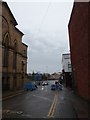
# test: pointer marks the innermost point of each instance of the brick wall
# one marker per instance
(89, 52)
(78, 38)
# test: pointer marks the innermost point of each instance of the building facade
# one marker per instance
(66, 68)
(79, 44)
(66, 62)
(14, 52)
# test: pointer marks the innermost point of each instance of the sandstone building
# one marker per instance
(14, 52)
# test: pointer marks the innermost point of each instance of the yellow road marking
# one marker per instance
(53, 111)
(11, 96)
(50, 111)
(53, 106)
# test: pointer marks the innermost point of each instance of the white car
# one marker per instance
(45, 83)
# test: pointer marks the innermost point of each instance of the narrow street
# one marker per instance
(41, 103)
(44, 43)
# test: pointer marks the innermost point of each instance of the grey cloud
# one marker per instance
(45, 32)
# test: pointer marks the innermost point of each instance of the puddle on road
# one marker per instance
(12, 112)
(19, 112)
(44, 88)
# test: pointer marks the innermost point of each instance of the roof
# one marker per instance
(24, 44)
(6, 5)
(19, 31)
(66, 54)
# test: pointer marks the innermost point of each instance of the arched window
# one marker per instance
(15, 55)
(5, 50)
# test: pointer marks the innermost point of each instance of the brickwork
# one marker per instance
(89, 50)
(78, 37)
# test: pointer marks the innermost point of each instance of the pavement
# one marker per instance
(80, 106)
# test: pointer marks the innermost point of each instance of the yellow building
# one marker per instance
(14, 52)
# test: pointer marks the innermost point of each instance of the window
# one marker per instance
(15, 55)
(5, 50)
(69, 65)
(24, 52)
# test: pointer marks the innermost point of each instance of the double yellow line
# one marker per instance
(53, 106)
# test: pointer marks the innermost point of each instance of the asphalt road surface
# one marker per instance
(41, 103)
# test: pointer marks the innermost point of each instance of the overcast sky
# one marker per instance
(45, 28)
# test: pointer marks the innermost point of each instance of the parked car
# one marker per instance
(53, 87)
(30, 86)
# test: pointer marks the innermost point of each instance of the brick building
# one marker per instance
(78, 38)
(14, 52)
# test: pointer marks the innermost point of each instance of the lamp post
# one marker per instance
(47, 72)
